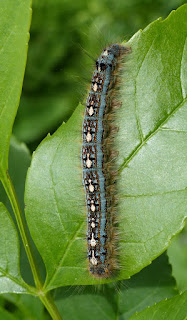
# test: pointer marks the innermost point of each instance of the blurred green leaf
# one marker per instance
(41, 113)
(177, 253)
(5, 315)
(152, 160)
(118, 300)
(10, 278)
(56, 67)
(172, 309)
(25, 307)
(14, 27)
(18, 163)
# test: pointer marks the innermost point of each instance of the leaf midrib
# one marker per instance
(139, 127)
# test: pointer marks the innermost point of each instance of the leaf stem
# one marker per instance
(44, 297)
(50, 306)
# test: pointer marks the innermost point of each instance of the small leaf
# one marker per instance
(152, 160)
(10, 278)
(14, 27)
(177, 253)
(172, 309)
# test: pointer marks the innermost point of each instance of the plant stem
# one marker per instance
(50, 306)
(7, 183)
(44, 297)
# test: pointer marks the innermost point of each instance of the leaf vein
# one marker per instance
(65, 253)
(136, 103)
(155, 131)
(12, 278)
(181, 82)
(152, 194)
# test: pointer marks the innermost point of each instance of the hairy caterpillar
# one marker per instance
(98, 162)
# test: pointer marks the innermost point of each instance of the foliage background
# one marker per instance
(58, 70)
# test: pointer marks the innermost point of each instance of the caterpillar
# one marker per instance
(98, 161)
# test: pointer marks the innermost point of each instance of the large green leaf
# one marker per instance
(119, 300)
(172, 309)
(14, 36)
(151, 143)
(10, 278)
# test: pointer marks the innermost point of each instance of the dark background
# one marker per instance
(63, 34)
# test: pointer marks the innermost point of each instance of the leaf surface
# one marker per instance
(174, 308)
(152, 141)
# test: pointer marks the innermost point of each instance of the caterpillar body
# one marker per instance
(98, 163)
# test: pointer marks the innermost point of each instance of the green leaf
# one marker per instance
(172, 309)
(119, 300)
(151, 143)
(14, 26)
(177, 253)
(57, 217)
(25, 307)
(151, 285)
(5, 315)
(10, 278)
